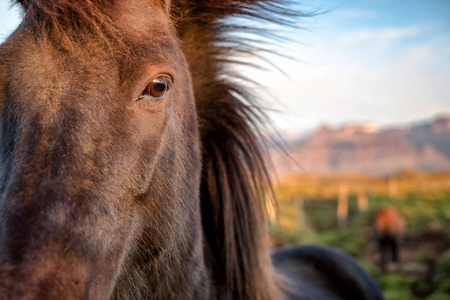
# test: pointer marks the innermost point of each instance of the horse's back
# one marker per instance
(323, 273)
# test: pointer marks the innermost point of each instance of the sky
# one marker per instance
(380, 61)
(376, 61)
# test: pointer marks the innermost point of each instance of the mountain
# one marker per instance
(366, 148)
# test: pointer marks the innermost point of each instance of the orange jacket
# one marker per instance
(388, 221)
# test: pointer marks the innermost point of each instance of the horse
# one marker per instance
(131, 159)
(389, 227)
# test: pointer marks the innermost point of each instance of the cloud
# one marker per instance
(379, 37)
(344, 83)
(9, 19)
(355, 13)
(446, 50)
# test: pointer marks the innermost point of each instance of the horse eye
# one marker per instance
(157, 89)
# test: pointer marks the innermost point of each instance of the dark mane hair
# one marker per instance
(235, 180)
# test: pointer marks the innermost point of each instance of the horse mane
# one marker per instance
(235, 180)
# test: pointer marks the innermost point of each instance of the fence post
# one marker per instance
(299, 212)
(342, 209)
(363, 202)
(393, 187)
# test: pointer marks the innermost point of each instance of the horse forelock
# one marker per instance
(67, 22)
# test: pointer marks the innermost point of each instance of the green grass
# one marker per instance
(396, 287)
(422, 210)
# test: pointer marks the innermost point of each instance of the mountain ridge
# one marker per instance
(367, 148)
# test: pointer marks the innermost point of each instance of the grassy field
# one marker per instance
(307, 207)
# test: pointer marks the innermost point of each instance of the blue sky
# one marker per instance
(380, 61)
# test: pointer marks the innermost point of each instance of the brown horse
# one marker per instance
(131, 160)
(389, 227)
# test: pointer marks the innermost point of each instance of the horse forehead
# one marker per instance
(42, 63)
(150, 39)
(118, 22)
(140, 13)
(142, 19)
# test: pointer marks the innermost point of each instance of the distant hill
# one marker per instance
(366, 148)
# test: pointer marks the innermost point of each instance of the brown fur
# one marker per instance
(68, 21)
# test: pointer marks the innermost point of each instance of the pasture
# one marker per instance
(307, 213)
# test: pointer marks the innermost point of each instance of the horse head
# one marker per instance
(100, 153)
